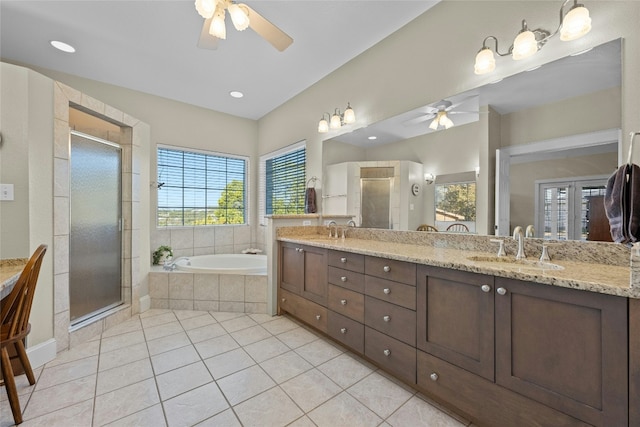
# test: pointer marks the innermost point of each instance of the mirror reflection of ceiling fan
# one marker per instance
(242, 16)
(439, 112)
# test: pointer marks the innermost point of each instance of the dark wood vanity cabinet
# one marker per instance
(303, 271)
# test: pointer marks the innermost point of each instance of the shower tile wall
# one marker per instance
(190, 241)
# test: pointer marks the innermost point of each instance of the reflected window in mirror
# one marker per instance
(455, 203)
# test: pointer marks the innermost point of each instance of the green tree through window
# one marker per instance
(456, 202)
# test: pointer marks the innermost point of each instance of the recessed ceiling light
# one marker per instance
(372, 137)
(63, 46)
(236, 94)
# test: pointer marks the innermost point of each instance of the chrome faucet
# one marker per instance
(171, 264)
(351, 223)
(518, 235)
(530, 231)
(332, 224)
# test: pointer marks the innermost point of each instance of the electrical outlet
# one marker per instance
(6, 192)
(306, 222)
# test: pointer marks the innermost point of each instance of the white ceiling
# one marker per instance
(150, 46)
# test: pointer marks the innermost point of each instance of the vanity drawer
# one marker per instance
(305, 310)
(347, 303)
(394, 292)
(347, 331)
(398, 271)
(391, 319)
(392, 355)
(346, 279)
(347, 260)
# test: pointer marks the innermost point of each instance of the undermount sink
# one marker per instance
(517, 263)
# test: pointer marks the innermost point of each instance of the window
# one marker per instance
(198, 188)
(456, 202)
(282, 181)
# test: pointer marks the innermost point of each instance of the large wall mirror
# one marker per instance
(574, 103)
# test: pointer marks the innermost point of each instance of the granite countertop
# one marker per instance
(602, 278)
(10, 270)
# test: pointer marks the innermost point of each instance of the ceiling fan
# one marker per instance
(242, 16)
(439, 112)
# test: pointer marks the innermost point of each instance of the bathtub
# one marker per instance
(243, 264)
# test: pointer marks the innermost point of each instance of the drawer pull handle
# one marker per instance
(317, 317)
(386, 268)
(386, 291)
(343, 278)
(343, 301)
(343, 260)
(501, 291)
(485, 288)
(387, 318)
(433, 376)
(343, 330)
(387, 352)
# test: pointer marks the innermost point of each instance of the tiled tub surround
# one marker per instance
(178, 290)
(591, 266)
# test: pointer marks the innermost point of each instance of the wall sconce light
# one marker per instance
(477, 171)
(573, 25)
(337, 119)
(429, 178)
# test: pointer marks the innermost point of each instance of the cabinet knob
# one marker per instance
(387, 352)
(501, 291)
(386, 291)
(343, 278)
(485, 288)
(343, 330)
(343, 260)
(284, 299)
(386, 268)
(343, 301)
(317, 317)
(386, 318)
(433, 376)
(301, 250)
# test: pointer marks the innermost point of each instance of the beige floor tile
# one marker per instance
(344, 410)
(280, 325)
(238, 323)
(82, 351)
(263, 318)
(223, 419)
(150, 417)
(198, 321)
(245, 384)
(188, 314)
(227, 363)
(22, 385)
(215, 346)
(131, 325)
(222, 316)
(67, 372)
(286, 366)
(379, 394)
(310, 389)
(266, 349)
(170, 328)
(169, 360)
(297, 337)
(271, 408)
(121, 341)
(161, 319)
(206, 332)
(154, 312)
(344, 370)
(6, 416)
(318, 352)
(418, 412)
(59, 397)
(250, 335)
(123, 356)
(123, 376)
(78, 415)
(125, 401)
(168, 343)
(194, 406)
(183, 379)
(302, 422)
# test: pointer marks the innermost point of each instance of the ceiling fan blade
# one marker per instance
(419, 119)
(206, 40)
(452, 106)
(274, 35)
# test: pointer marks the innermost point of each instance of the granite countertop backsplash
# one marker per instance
(591, 266)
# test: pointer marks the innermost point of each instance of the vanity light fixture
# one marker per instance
(429, 178)
(337, 119)
(573, 25)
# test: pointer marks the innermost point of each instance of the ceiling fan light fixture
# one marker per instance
(206, 8)
(446, 121)
(217, 28)
(435, 123)
(349, 115)
(576, 23)
(239, 16)
(485, 61)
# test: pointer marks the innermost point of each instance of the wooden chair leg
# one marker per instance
(10, 385)
(24, 359)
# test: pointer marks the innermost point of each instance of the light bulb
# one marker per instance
(217, 28)
(323, 126)
(446, 121)
(349, 115)
(524, 45)
(576, 23)
(435, 122)
(206, 8)
(239, 16)
(335, 121)
(485, 61)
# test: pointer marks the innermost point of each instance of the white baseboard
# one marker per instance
(42, 353)
(145, 303)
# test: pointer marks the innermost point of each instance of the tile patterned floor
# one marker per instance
(184, 368)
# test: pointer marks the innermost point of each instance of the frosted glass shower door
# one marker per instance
(95, 241)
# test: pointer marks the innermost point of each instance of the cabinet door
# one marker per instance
(455, 312)
(291, 267)
(314, 286)
(564, 348)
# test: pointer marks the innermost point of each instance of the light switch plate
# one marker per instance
(6, 192)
